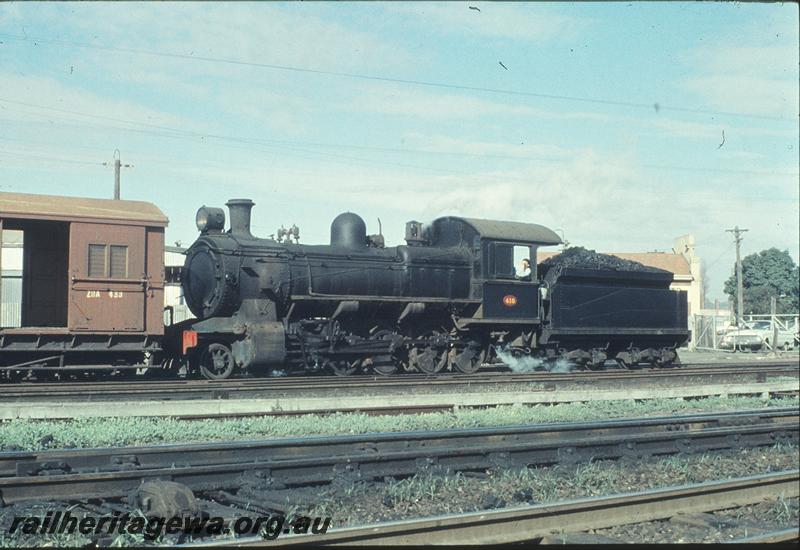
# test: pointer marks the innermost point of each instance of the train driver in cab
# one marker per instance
(525, 272)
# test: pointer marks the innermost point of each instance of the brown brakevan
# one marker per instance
(92, 280)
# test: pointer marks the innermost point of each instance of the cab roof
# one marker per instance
(507, 231)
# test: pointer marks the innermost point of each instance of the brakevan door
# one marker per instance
(107, 277)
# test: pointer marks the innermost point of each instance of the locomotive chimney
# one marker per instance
(240, 217)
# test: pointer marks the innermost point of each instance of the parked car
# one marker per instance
(725, 325)
(755, 335)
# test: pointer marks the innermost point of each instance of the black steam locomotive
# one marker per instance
(450, 298)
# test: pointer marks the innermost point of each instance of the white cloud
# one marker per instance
(528, 22)
(287, 34)
(744, 93)
(40, 90)
(748, 77)
(406, 101)
(460, 146)
(711, 131)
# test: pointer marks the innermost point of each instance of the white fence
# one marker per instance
(708, 330)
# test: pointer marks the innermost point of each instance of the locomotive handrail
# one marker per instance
(373, 298)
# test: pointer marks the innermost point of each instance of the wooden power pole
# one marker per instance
(117, 166)
(739, 286)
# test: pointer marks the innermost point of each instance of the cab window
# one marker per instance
(507, 261)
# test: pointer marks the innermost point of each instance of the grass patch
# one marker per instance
(32, 435)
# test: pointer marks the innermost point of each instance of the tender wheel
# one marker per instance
(216, 362)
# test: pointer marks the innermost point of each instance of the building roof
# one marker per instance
(512, 231)
(51, 207)
(674, 263)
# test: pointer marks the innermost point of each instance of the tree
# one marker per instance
(768, 273)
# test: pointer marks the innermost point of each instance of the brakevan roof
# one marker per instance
(51, 207)
(513, 231)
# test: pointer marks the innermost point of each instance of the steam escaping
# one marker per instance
(528, 363)
(521, 365)
(278, 372)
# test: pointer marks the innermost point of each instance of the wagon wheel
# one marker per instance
(216, 362)
(383, 364)
(344, 367)
(427, 359)
(470, 359)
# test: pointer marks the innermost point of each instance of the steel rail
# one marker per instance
(489, 370)
(406, 397)
(227, 389)
(110, 472)
(529, 523)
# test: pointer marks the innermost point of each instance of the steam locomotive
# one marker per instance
(450, 298)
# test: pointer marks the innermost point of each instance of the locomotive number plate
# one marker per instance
(509, 300)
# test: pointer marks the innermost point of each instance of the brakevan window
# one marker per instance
(108, 261)
(118, 262)
(97, 260)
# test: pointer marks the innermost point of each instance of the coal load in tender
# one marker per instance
(577, 256)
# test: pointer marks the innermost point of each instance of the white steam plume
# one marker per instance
(529, 363)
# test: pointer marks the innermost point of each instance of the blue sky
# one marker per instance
(205, 101)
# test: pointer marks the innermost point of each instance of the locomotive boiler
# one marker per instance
(449, 298)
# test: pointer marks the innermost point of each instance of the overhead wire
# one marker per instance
(50, 159)
(655, 106)
(297, 147)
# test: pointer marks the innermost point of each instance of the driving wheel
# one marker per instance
(383, 364)
(216, 362)
(343, 367)
(468, 360)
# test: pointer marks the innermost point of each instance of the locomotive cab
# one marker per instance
(508, 296)
(508, 292)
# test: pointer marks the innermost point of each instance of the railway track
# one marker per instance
(259, 387)
(279, 465)
(532, 523)
(197, 399)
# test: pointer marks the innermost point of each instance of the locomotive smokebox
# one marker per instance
(240, 217)
(348, 230)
